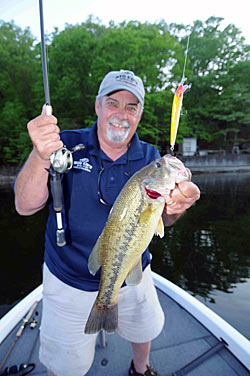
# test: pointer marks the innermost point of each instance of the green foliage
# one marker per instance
(17, 74)
(216, 109)
(73, 88)
(215, 57)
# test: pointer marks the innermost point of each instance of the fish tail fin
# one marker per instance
(102, 317)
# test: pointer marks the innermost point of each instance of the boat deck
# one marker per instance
(182, 339)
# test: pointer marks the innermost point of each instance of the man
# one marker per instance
(113, 153)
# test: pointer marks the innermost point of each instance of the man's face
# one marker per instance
(118, 117)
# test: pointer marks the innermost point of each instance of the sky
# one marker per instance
(59, 12)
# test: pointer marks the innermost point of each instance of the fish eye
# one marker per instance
(158, 163)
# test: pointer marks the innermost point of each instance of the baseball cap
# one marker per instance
(122, 80)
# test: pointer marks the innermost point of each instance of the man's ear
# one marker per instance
(97, 107)
(140, 115)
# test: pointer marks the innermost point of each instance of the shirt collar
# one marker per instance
(135, 150)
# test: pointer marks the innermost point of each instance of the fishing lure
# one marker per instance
(177, 105)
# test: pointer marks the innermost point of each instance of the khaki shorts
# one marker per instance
(65, 349)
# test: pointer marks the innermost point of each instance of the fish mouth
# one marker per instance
(152, 194)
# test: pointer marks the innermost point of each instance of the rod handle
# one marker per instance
(56, 191)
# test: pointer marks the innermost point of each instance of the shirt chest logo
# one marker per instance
(83, 164)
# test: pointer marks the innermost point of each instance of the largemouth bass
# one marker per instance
(133, 220)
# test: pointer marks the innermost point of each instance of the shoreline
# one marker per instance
(6, 179)
(217, 169)
(5, 185)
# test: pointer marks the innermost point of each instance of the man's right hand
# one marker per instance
(44, 134)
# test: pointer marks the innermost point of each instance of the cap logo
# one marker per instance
(127, 78)
(122, 80)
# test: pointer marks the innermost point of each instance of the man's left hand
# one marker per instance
(181, 197)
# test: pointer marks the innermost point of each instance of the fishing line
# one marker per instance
(185, 62)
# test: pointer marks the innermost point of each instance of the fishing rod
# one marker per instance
(177, 103)
(19, 332)
(61, 160)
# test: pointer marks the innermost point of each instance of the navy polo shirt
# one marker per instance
(83, 215)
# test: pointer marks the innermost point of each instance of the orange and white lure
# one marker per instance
(177, 104)
(176, 111)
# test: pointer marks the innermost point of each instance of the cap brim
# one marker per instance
(122, 87)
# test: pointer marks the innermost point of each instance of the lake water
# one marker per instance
(206, 252)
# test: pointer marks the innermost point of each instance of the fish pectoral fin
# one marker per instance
(160, 228)
(94, 262)
(134, 277)
(146, 214)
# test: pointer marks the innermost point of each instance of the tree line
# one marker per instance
(216, 109)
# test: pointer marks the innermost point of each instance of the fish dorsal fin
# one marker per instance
(160, 228)
(134, 277)
(94, 262)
